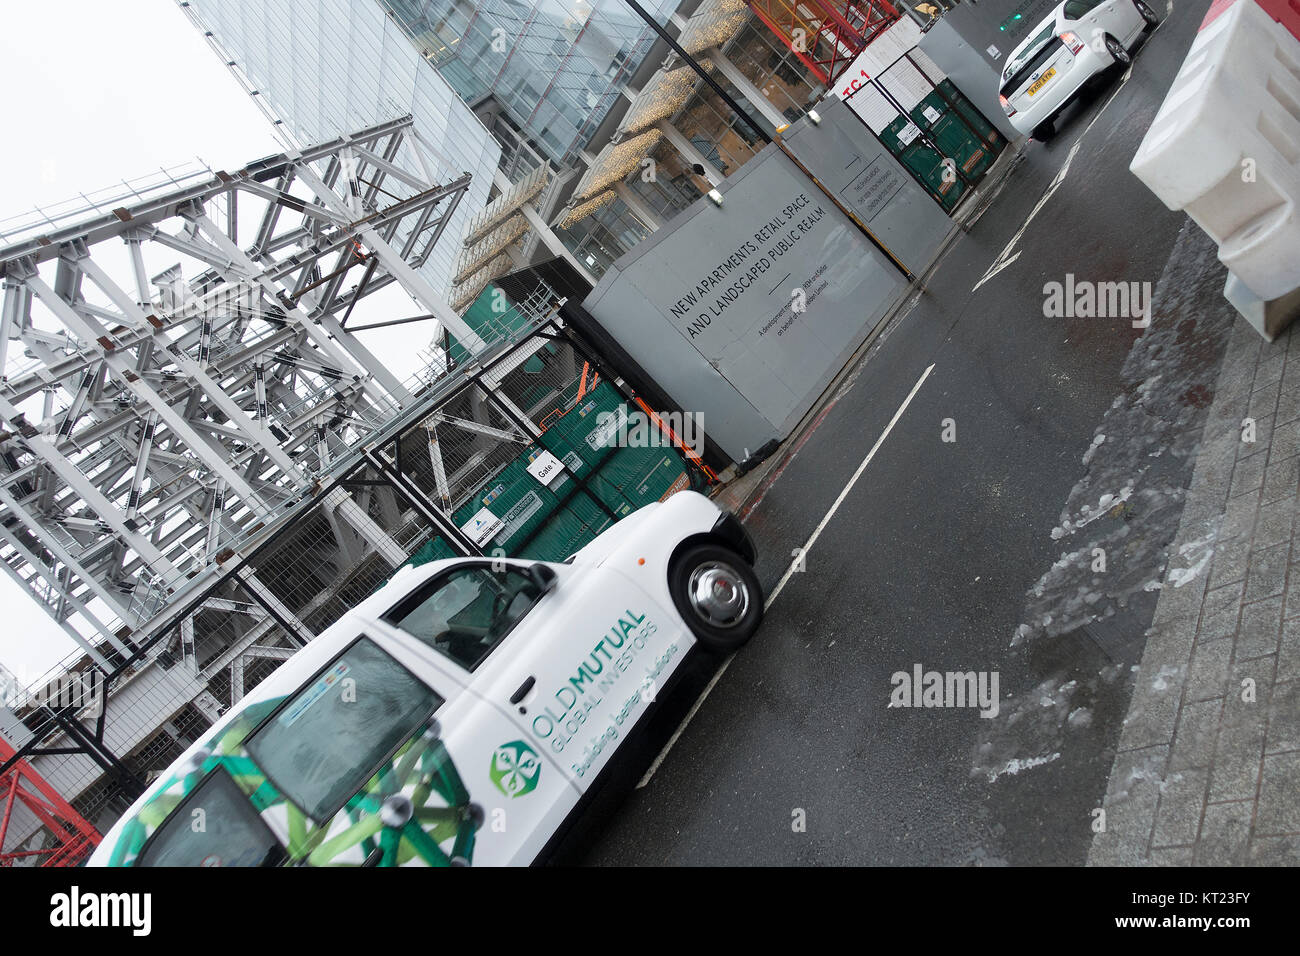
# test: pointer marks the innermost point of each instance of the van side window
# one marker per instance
(1077, 8)
(467, 612)
(339, 730)
(235, 834)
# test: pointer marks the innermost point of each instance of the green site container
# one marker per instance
(551, 522)
(958, 130)
(974, 118)
(492, 324)
(923, 161)
(953, 137)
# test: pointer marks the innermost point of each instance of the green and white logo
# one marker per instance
(515, 768)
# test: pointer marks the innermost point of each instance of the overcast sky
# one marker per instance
(101, 90)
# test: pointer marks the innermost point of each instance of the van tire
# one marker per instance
(724, 619)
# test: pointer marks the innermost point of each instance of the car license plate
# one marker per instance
(1039, 83)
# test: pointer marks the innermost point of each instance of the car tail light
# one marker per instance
(1006, 106)
(1071, 39)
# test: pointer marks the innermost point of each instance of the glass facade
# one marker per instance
(326, 67)
(773, 69)
(556, 66)
(723, 138)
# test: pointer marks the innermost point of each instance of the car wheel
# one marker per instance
(1117, 51)
(1044, 131)
(1147, 14)
(718, 595)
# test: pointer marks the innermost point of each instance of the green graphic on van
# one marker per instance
(414, 810)
(515, 768)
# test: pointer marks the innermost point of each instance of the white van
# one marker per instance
(458, 715)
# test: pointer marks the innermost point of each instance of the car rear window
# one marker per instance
(1022, 64)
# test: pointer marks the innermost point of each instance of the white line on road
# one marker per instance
(780, 585)
(1002, 261)
(994, 270)
(847, 488)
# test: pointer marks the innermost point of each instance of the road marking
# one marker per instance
(994, 270)
(847, 488)
(1003, 260)
(780, 585)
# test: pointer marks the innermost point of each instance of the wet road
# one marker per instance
(943, 552)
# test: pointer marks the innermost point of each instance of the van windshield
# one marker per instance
(330, 738)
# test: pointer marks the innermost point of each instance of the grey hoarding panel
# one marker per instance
(843, 153)
(706, 305)
(972, 69)
(1000, 24)
(625, 312)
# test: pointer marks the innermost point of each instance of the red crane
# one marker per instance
(74, 837)
(825, 35)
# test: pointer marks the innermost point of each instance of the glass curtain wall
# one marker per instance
(555, 65)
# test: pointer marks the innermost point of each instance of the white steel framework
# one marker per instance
(171, 384)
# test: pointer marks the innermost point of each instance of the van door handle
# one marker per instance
(523, 690)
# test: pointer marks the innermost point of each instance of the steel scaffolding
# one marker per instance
(150, 422)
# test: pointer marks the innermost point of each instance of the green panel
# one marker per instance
(434, 550)
(490, 320)
(550, 523)
(973, 116)
(973, 144)
(924, 162)
(638, 476)
(576, 432)
(571, 527)
(515, 497)
(952, 136)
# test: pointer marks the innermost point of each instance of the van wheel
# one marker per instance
(718, 595)
(1044, 131)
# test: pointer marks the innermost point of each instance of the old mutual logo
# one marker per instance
(515, 768)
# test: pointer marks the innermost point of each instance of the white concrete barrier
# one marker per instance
(1225, 146)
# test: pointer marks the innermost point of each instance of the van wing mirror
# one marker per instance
(543, 576)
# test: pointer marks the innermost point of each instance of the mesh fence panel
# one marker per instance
(460, 447)
(326, 562)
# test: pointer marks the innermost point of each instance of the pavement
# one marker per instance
(1208, 764)
(995, 489)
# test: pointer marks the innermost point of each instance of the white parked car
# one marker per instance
(461, 713)
(1079, 40)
